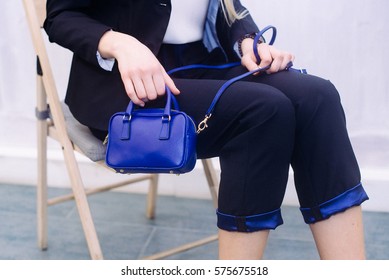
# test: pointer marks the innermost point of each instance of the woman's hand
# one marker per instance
(143, 76)
(277, 59)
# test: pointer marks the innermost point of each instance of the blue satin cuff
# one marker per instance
(269, 220)
(342, 202)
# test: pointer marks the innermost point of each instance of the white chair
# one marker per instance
(55, 120)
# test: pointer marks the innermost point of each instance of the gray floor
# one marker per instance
(125, 233)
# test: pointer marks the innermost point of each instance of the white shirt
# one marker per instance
(186, 22)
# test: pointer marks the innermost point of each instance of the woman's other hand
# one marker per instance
(277, 59)
(144, 78)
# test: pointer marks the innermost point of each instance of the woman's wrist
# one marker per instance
(113, 43)
(246, 43)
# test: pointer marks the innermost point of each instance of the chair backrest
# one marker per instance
(40, 8)
(35, 12)
(47, 94)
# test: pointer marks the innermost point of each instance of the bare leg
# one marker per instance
(241, 245)
(341, 236)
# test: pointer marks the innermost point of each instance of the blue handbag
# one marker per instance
(158, 140)
(164, 140)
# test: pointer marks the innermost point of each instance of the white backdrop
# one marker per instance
(343, 41)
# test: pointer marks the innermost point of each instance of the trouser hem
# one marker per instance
(342, 202)
(269, 220)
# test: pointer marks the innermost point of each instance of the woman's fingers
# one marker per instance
(281, 60)
(143, 76)
(130, 90)
(265, 54)
(271, 57)
(170, 84)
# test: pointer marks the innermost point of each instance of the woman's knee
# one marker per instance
(308, 93)
(321, 96)
(265, 103)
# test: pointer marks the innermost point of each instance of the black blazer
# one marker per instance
(93, 93)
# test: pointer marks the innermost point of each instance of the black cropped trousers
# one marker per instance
(260, 127)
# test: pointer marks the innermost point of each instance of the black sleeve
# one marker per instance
(236, 31)
(71, 24)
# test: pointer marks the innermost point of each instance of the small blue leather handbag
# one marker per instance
(160, 140)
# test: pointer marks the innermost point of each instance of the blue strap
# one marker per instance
(203, 124)
(259, 36)
(204, 66)
(230, 82)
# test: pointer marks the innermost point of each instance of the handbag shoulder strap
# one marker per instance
(203, 124)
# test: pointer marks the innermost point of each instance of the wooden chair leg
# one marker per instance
(42, 169)
(182, 248)
(152, 196)
(212, 179)
(82, 204)
(42, 193)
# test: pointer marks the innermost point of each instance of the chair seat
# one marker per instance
(82, 137)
